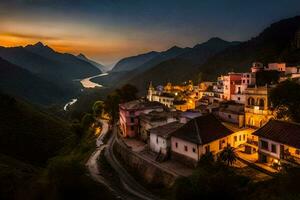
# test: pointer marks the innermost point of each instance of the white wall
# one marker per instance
(181, 150)
(268, 151)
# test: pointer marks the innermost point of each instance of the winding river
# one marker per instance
(86, 83)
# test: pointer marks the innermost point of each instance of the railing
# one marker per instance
(253, 142)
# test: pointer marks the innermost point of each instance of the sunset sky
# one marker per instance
(108, 30)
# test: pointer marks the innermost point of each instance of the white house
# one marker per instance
(199, 136)
(159, 141)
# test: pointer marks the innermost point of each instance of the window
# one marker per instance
(156, 140)
(229, 116)
(244, 137)
(235, 138)
(132, 120)
(194, 150)
(240, 138)
(207, 149)
(274, 148)
(297, 151)
(264, 144)
(239, 98)
(248, 76)
(185, 148)
(248, 81)
(243, 81)
(176, 144)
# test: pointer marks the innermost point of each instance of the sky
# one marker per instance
(108, 30)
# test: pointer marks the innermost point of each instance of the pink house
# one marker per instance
(229, 82)
(129, 113)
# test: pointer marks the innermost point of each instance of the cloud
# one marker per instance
(29, 36)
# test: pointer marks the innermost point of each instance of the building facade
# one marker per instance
(130, 112)
(258, 110)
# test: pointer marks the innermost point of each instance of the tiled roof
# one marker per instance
(202, 130)
(281, 131)
(166, 130)
(140, 104)
(159, 116)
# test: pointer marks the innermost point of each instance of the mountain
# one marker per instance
(20, 82)
(277, 43)
(29, 134)
(69, 64)
(181, 65)
(201, 52)
(58, 68)
(131, 63)
(101, 67)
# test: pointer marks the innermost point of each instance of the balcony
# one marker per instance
(252, 142)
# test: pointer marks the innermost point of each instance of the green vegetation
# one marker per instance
(286, 100)
(112, 101)
(228, 155)
(43, 157)
(214, 180)
(211, 180)
(267, 77)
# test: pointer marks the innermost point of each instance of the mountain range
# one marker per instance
(280, 42)
(42, 75)
(174, 64)
(96, 64)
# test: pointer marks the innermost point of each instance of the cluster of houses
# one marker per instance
(184, 122)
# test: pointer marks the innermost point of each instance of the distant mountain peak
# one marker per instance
(175, 47)
(82, 56)
(216, 39)
(39, 44)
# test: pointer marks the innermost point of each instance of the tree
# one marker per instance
(87, 120)
(98, 108)
(228, 155)
(112, 102)
(285, 98)
(127, 93)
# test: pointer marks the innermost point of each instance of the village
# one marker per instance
(175, 125)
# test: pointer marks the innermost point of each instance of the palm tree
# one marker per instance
(228, 155)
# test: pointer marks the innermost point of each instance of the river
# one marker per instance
(86, 83)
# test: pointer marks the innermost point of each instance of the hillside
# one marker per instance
(20, 82)
(182, 67)
(277, 43)
(176, 70)
(44, 62)
(101, 67)
(29, 134)
(133, 62)
(201, 52)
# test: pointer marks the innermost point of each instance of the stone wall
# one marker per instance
(143, 169)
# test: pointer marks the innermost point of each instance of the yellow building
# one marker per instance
(257, 107)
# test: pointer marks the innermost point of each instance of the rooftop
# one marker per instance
(167, 129)
(158, 116)
(140, 105)
(202, 130)
(281, 131)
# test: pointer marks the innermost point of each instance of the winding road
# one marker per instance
(129, 183)
(133, 189)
